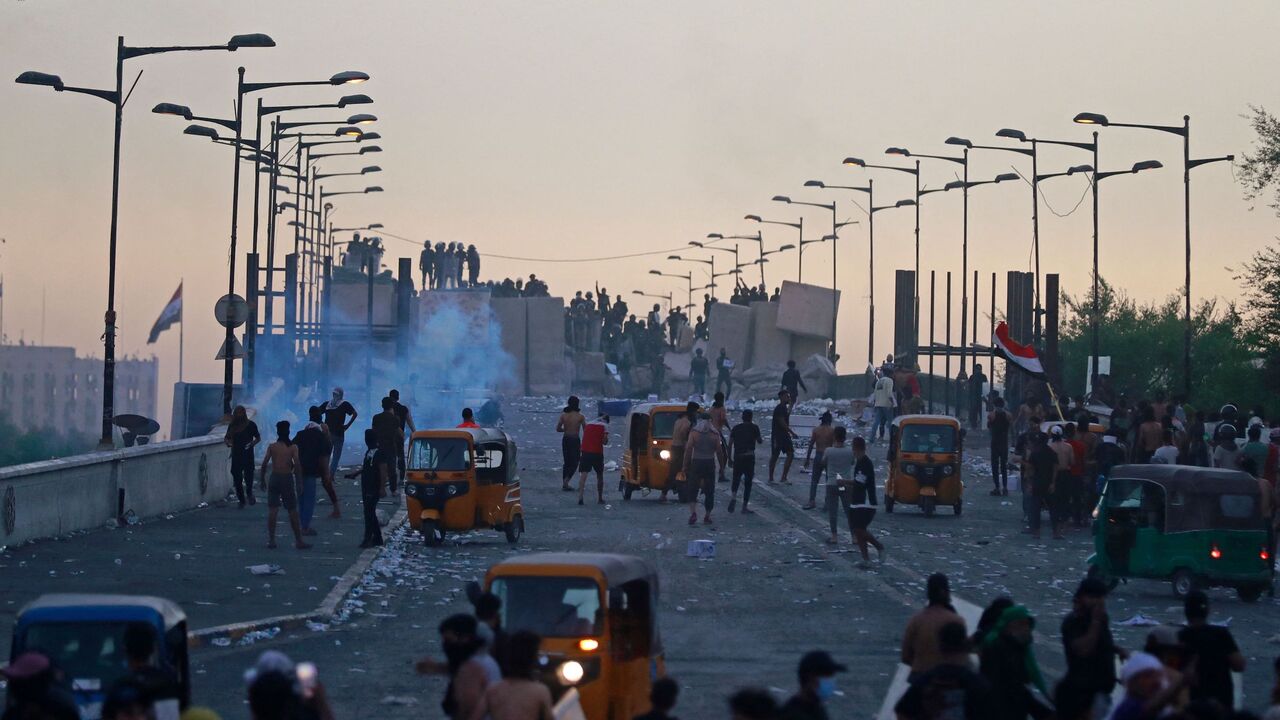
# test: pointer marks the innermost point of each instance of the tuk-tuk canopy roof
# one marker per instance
(650, 407)
(478, 435)
(88, 606)
(1190, 479)
(929, 419)
(617, 569)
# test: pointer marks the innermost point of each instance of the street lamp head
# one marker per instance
(1147, 165)
(855, 161)
(289, 205)
(354, 100)
(1088, 118)
(370, 169)
(782, 199)
(814, 183)
(715, 236)
(369, 149)
(654, 272)
(349, 77)
(375, 226)
(953, 185)
(181, 111)
(953, 140)
(905, 203)
(1079, 169)
(250, 40)
(201, 131)
(753, 218)
(897, 151)
(695, 243)
(348, 131)
(296, 223)
(370, 136)
(830, 237)
(1012, 134)
(281, 188)
(373, 189)
(31, 77)
(1006, 176)
(788, 246)
(674, 257)
(361, 119)
(328, 206)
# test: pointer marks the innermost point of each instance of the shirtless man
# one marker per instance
(282, 457)
(822, 437)
(570, 426)
(720, 423)
(519, 695)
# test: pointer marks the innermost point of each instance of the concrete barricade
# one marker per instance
(510, 316)
(730, 328)
(769, 345)
(548, 374)
(807, 309)
(55, 497)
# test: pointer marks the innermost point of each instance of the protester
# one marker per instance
(817, 676)
(242, 437)
(426, 264)
(752, 704)
(279, 690)
(405, 416)
(1146, 696)
(951, 689)
(782, 437)
(1226, 452)
(839, 461)
(282, 457)
(921, 650)
(699, 368)
(1074, 500)
(314, 451)
(36, 690)
(1089, 648)
(792, 382)
(127, 701)
(1008, 663)
(998, 425)
(1273, 710)
(468, 419)
(676, 476)
(703, 451)
(662, 698)
(570, 426)
(160, 687)
(720, 423)
(520, 694)
(488, 611)
(977, 382)
(743, 440)
(370, 474)
(860, 492)
(595, 436)
(470, 668)
(1163, 643)
(724, 370)
(1043, 465)
(883, 401)
(390, 442)
(339, 415)
(1213, 651)
(821, 438)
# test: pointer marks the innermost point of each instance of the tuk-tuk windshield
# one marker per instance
(664, 425)
(440, 453)
(928, 439)
(83, 651)
(550, 606)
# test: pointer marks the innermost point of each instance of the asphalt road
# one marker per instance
(774, 591)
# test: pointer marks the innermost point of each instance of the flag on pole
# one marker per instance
(1023, 357)
(171, 314)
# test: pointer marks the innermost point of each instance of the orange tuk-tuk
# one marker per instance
(925, 453)
(646, 458)
(463, 478)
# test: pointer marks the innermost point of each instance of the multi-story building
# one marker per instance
(49, 387)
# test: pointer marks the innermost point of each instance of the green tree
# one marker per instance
(1259, 169)
(18, 446)
(1260, 279)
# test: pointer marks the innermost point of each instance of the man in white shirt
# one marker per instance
(883, 400)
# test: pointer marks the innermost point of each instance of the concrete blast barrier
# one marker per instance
(769, 345)
(548, 372)
(510, 314)
(730, 328)
(807, 309)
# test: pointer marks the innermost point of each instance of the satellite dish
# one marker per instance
(231, 311)
(137, 430)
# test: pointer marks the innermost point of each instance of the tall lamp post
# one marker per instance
(1184, 130)
(667, 297)
(1096, 177)
(835, 233)
(710, 273)
(798, 225)
(118, 98)
(759, 240)
(687, 277)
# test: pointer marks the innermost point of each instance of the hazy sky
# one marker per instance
(581, 129)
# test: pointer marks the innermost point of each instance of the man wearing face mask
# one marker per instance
(470, 667)
(817, 675)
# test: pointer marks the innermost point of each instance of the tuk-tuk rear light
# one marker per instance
(1215, 553)
(1264, 554)
(589, 644)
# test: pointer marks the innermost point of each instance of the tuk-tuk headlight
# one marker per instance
(570, 672)
(453, 490)
(664, 454)
(948, 469)
(909, 468)
(410, 490)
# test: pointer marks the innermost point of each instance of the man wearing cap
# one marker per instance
(1089, 647)
(817, 675)
(35, 689)
(1145, 693)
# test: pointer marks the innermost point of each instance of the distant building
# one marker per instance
(51, 387)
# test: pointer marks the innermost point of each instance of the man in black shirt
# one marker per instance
(1089, 647)
(998, 423)
(743, 439)
(977, 382)
(390, 439)
(1043, 464)
(698, 370)
(781, 437)
(160, 686)
(426, 263)
(817, 675)
(406, 419)
(1214, 652)
(314, 450)
(339, 416)
(792, 382)
(724, 368)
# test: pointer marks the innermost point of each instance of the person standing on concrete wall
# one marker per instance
(792, 382)
(699, 368)
(570, 428)
(242, 437)
(339, 416)
(282, 457)
(724, 370)
(473, 266)
(426, 264)
(459, 257)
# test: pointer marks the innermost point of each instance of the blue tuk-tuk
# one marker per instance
(83, 635)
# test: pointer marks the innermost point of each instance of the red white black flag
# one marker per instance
(1023, 357)
(171, 314)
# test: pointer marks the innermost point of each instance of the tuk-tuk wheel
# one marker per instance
(627, 489)
(514, 529)
(1250, 593)
(928, 505)
(432, 535)
(958, 507)
(888, 504)
(1183, 583)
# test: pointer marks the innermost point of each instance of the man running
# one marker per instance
(282, 457)
(782, 437)
(861, 494)
(743, 440)
(720, 423)
(704, 449)
(595, 435)
(822, 437)
(570, 427)
(679, 438)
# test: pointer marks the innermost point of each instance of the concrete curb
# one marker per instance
(328, 608)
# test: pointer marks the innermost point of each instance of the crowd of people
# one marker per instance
(449, 266)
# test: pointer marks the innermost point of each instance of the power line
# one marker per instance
(570, 260)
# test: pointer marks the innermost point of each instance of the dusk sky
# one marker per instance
(565, 130)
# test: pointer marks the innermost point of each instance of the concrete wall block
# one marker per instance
(769, 345)
(545, 328)
(807, 309)
(589, 367)
(730, 328)
(510, 315)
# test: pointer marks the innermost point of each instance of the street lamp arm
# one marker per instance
(1206, 161)
(905, 153)
(1023, 151)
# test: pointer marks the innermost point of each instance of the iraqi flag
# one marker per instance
(171, 314)
(1023, 357)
